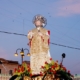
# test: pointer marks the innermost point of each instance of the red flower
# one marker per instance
(42, 66)
(51, 70)
(41, 74)
(29, 69)
(50, 58)
(30, 74)
(68, 71)
(53, 66)
(64, 68)
(18, 66)
(18, 70)
(46, 62)
(22, 68)
(54, 72)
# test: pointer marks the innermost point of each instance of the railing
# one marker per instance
(76, 79)
(4, 77)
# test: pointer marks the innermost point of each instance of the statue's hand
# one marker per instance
(31, 33)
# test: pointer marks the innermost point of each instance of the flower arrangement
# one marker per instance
(47, 71)
(58, 70)
(22, 71)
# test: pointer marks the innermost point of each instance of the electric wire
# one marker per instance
(32, 13)
(50, 42)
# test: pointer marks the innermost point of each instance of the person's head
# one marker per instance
(39, 21)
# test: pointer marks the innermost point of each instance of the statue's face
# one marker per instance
(38, 23)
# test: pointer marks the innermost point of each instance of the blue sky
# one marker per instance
(63, 20)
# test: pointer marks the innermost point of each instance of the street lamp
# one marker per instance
(63, 56)
(22, 53)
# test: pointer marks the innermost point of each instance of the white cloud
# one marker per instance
(69, 10)
(66, 8)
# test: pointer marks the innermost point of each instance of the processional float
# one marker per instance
(42, 66)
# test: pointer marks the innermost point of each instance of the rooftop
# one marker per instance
(11, 61)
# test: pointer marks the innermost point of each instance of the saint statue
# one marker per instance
(39, 39)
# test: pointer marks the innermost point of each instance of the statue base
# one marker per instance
(34, 78)
(47, 77)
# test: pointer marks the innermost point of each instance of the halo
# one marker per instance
(39, 17)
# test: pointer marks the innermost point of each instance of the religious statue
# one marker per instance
(39, 39)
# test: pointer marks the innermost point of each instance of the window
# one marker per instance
(0, 71)
(10, 72)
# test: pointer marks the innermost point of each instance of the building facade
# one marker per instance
(7, 66)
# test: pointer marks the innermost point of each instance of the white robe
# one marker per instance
(38, 60)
